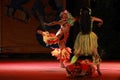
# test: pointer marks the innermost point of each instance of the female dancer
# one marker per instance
(86, 40)
(62, 53)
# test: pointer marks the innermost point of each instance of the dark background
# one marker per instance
(109, 33)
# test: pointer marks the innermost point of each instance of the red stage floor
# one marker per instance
(50, 70)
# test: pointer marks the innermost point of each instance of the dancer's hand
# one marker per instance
(46, 24)
(39, 32)
(99, 24)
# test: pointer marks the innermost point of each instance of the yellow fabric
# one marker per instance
(74, 59)
(62, 54)
(49, 38)
(84, 44)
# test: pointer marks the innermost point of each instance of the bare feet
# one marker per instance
(99, 73)
(98, 69)
(62, 65)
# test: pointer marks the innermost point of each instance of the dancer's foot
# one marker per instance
(98, 69)
(62, 65)
(99, 73)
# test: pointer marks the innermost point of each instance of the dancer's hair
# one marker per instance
(70, 19)
(85, 20)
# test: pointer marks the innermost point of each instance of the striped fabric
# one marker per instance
(84, 44)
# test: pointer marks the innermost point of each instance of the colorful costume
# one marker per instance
(62, 52)
(49, 38)
(85, 44)
(80, 68)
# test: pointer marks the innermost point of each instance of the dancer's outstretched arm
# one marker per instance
(96, 19)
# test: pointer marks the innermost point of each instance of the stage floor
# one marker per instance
(51, 70)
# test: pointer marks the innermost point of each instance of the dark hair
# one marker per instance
(85, 20)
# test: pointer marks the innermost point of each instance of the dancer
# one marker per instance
(86, 40)
(62, 52)
(80, 68)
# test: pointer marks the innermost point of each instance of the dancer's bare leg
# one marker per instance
(98, 69)
(74, 58)
(62, 64)
(97, 60)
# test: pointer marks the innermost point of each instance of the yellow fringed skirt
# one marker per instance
(62, 54)
(85, 43)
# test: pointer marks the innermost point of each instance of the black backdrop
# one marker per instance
(20, 36)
